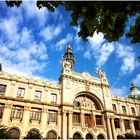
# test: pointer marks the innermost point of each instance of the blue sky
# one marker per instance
(33, 41)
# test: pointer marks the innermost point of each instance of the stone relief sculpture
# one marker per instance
(85, 102)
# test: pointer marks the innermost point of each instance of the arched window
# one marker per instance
(13, 133)
(33, 134)
(89, 136)
(100, 136)
(77, 136)
(51, 135)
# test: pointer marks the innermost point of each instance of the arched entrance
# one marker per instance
(89, 136)
(33, 134)
(77, 136)
(13, 133)
(51, 135)
(100, 136)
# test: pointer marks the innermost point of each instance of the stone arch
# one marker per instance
(52, 134)
(91, 96)
(77, 135)
(101, 136)
(89, 136)
(14, 133)
(33, 133)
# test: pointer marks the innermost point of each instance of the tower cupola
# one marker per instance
(135, 93)
(68, 60)
(68, 55)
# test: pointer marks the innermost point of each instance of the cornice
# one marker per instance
(28, 80)
(83, 81)
(126, 100)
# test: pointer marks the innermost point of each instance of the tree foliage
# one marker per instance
(100, 16)
(33, 135)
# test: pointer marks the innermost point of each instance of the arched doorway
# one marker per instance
(89, 136)
(33, 134)
(13, 133)
(51, 135)
(77, 136)
(100, 136)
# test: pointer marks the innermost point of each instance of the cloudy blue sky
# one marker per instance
(32, 43)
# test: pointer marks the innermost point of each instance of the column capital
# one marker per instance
(8, 106)
(27, 108)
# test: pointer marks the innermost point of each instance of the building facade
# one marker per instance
(79, 106)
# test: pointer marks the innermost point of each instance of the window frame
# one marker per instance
(53, 98)
(52, 116)
(99, 120)
(20, 92)
(3, 89)
(124, 109)
(37, 95)
(35, 114)
(127, 124)
(76, 119)
(17, 112)
(117, 123)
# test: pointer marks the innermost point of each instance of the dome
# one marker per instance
(135, 93)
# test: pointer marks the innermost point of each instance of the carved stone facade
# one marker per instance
(79, 106)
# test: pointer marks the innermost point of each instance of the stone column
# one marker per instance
(59, 124)
(82, 118)
(64, 125)
(132, 126)
(122, 125)
(6, 114)
(25, 120)
(44, 121)
(109, 128)
(113, 128)
(70, 125)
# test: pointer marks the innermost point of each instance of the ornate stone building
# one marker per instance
(79, 106)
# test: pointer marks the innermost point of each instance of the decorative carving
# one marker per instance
(86, 75)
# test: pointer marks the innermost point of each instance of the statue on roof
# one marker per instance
(100, 73)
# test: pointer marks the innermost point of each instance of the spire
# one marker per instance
(68, 55)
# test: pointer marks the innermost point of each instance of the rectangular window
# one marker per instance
(76, 119)
(126, 124)
(35, 114)
(114, 107)
(87, 120)
(117, 123)
(17, 112)
(1, 110)
(52, 116)
(136, 125)
(20, 92)
(38, 95)
(98, 120)
(133, 110)
(2, 88)
(53, 98)
(124, 109)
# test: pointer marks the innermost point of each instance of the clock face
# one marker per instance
(86, 75)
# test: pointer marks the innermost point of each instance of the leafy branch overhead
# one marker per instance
(106, 17)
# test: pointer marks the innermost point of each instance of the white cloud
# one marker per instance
(87, 55)
(136, 80)
(63, 42)
(50, 32)
(128, 58)
(123, 91)
(105, 51)
(99, 49)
